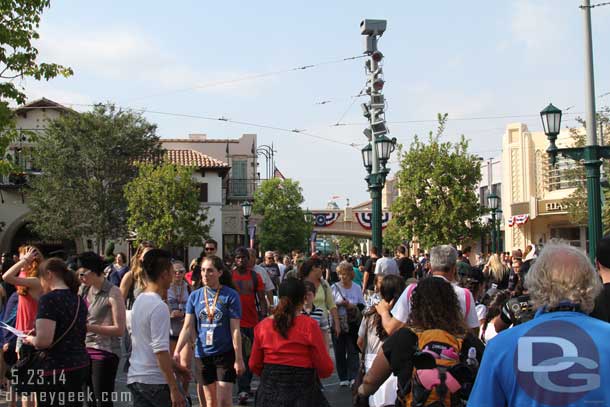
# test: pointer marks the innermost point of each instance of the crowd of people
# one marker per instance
(404, 331)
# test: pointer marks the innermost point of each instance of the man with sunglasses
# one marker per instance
(210, 247)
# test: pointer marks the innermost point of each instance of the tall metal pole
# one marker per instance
(493, 232)
(592, 160)
(246, 234)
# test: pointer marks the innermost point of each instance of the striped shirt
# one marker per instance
(318, 315)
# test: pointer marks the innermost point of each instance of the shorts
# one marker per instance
(217, 368)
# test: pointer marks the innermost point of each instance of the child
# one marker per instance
(311, 310)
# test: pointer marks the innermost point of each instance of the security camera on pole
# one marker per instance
(376, 154)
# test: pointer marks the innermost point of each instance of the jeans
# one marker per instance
(346, 355)
(101, 381)
(243, 381)
(150, 395)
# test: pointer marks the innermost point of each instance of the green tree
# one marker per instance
(163, 206)
(574, 174)
(19, 21)
(348, 244)
(394, 235)
(437, 182)
(283, 227)
(85, 161)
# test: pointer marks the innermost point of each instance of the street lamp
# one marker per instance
(591, 154)
(551, 122)
(384, 147)
(246, 208)
(367, 157)
(493, 202)
(309, 218)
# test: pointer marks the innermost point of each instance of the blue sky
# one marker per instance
(470, 59)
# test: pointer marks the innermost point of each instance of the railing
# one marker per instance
(236, 189)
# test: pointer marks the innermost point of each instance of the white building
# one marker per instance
(211, 175)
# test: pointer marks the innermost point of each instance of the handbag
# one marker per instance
(354, 315)
(27, 369)
(356, 399)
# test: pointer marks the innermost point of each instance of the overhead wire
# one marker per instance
(247, 78)
(228, 120)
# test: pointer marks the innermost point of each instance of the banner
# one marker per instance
(252, 234)
(323, 219)
(518, 220)
(312, 241)
(365, 219)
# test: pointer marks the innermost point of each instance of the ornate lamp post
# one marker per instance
(246, 208)
(493, 202)
(591, 154)
(499, 230)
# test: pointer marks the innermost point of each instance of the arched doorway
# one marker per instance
(49, 247)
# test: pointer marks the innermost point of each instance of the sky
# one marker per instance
(486, 64)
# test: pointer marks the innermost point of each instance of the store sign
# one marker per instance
(556, 207)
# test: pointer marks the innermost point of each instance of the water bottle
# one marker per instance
(472, 361)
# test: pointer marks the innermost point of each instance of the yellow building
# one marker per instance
(533, 193)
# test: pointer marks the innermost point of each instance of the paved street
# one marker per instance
(337, 396)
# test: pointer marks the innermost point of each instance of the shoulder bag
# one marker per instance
(24, 372)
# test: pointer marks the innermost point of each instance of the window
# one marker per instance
(571, 235)
(239, 182)
(203, 192)
(561, 176)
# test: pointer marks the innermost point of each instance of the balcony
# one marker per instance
(14, 180)
(236, 189)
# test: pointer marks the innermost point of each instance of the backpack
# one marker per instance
(438, 374)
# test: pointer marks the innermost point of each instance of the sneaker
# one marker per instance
(242, 398)
(344, 383)
(351, 382)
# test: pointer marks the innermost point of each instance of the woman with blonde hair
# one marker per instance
(133, 282)
(350, 302)
(497, 272)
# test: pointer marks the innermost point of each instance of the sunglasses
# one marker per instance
(81, 275)
(210, 249)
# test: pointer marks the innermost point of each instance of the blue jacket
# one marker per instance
(556, 359)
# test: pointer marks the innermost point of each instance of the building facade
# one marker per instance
(212, 175)
(534, 193)
(238, 186)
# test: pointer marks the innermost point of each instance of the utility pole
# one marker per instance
(376, 154)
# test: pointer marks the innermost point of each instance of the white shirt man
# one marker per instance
(443, 265)
(386, 265)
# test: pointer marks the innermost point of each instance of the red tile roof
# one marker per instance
(192, 158)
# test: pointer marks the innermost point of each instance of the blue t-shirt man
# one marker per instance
(556, 359)
(227, 307)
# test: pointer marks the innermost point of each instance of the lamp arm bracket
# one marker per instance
(574, 153)
(604, 152)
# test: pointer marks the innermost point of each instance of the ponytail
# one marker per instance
(283, 316)
(58, 267)
(291, 293)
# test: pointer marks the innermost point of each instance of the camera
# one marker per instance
(372, 27)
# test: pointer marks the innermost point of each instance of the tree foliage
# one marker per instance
(576, 202)
(437, 180)
(164, 207)
(283, 227)
(19, 21)
(85, 161)
(348, 244)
